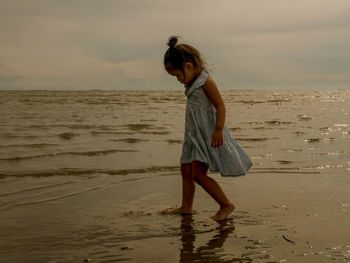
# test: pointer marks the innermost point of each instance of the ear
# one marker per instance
(188, 66)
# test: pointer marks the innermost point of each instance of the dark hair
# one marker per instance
(178, 54)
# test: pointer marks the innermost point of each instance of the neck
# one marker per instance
(196, 74)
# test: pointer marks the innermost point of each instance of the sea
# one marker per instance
(59, 149)
(46, 133)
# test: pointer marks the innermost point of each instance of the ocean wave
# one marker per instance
(234, 128)
(45, 198)
(138, 126)
(129, 140)
(312, 140)
(88, 153)
(277, 122)
(304, 117)
(285, 162)
(67, 135)
(11, 135)
(82, 126)
(36, 126)
(34, 188)
(148, 170)
(95, 133)
(155, 132)
(33, 145)
(252, 139)
(171, 141)
(277, 100)
(286, 170)
(83, 172)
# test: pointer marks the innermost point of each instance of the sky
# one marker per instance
(120, 44)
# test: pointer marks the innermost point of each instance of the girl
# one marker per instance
(207, 142)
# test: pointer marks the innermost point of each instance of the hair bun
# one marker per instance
(173, 41)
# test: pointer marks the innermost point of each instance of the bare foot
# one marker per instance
(223, 212)
(178, 210)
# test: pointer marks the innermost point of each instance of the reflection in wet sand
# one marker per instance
(207, 252)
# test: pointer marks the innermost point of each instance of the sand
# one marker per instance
(121, 221)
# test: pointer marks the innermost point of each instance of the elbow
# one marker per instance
(221, 107)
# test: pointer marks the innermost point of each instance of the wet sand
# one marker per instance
(120, 220)
(84, 176)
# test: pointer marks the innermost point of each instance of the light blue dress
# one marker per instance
(229, 159)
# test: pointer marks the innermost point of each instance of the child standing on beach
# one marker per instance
(207, 142)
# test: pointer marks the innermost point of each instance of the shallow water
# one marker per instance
(84, 175)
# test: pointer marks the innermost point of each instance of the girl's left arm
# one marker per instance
(213, 94)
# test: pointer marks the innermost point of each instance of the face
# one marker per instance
(186, 77)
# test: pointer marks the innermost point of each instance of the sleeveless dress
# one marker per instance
(229, 159)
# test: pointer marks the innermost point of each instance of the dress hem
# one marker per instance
(217, 170)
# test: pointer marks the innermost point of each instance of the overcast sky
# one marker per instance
(119, 44)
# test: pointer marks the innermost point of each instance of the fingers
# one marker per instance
(216, 143)
(216, 139)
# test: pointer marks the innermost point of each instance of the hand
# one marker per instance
(216, 138)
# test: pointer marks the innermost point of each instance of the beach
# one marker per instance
(84, 176)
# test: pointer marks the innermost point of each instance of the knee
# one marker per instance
(199, 167)
(199, 178)
(199, 171)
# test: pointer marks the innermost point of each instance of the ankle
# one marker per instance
(227, 205)
(186, 209)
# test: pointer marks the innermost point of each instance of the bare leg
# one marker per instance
(188, 190)
(199, 173)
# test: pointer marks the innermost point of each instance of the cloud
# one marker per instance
(140, 69)
(117, 44)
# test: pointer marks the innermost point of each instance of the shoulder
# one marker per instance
(209, 85)
(211, 90)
